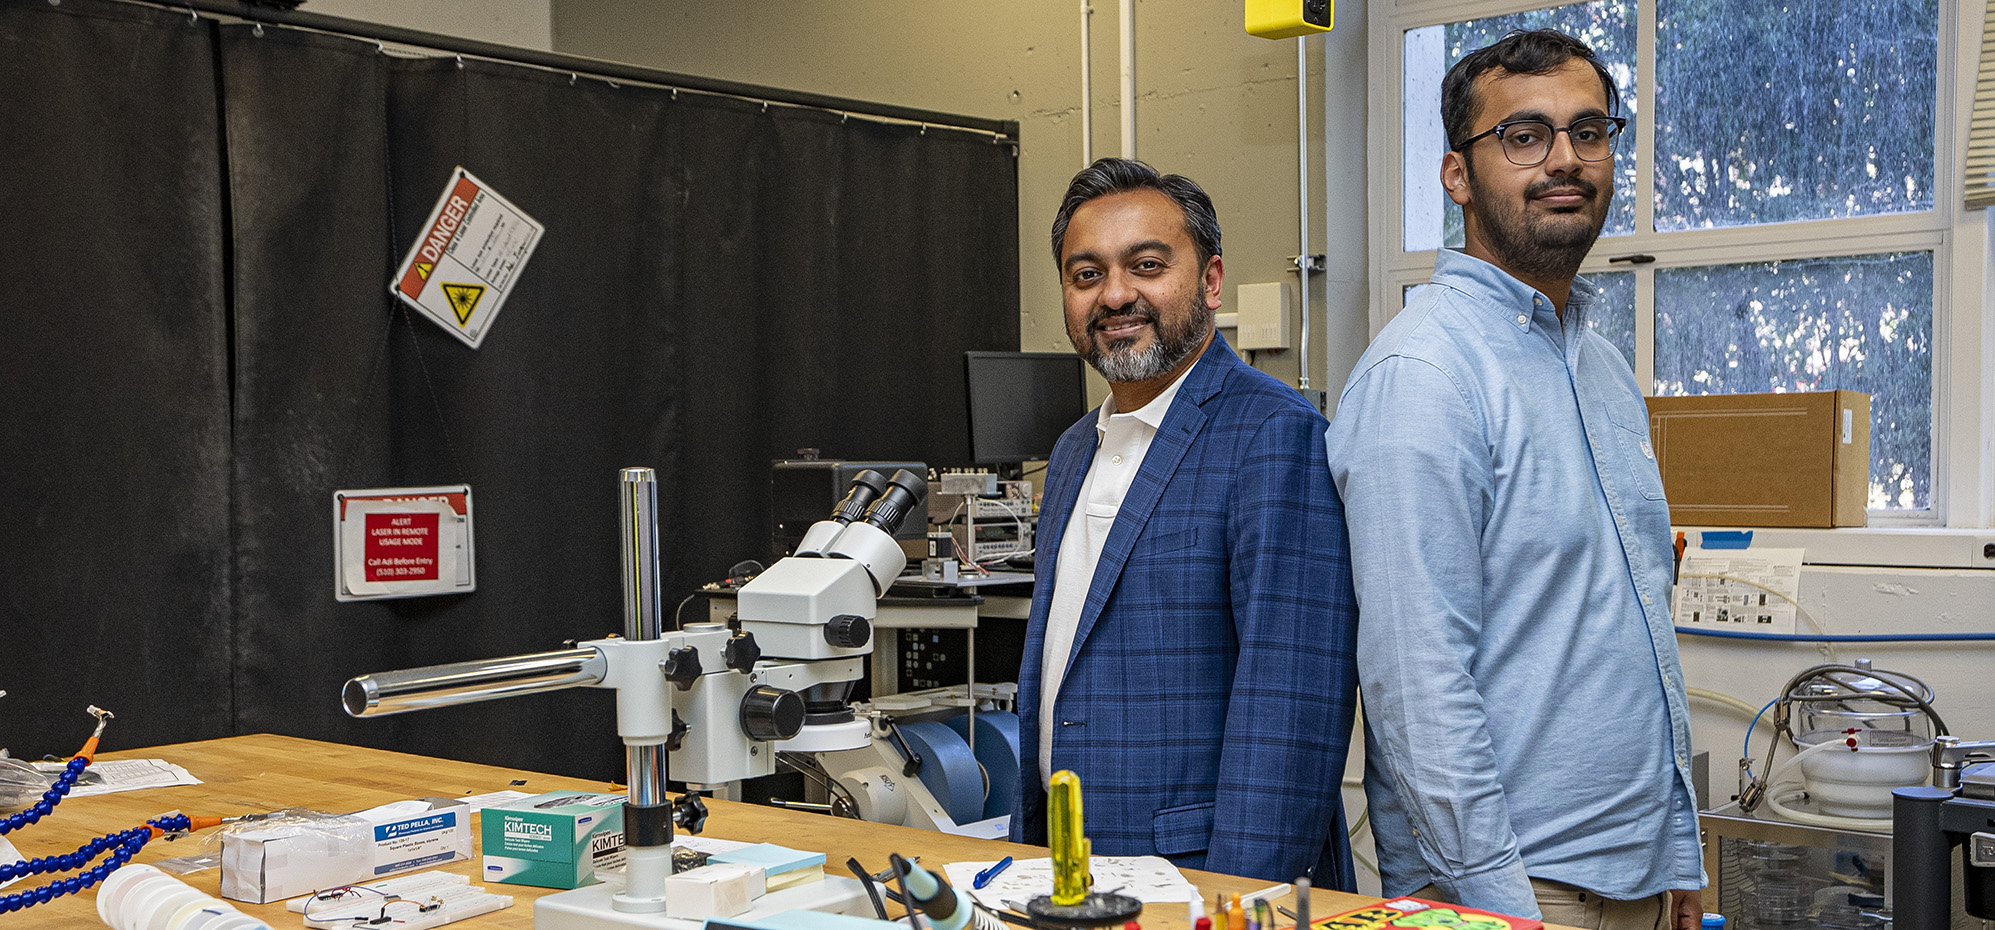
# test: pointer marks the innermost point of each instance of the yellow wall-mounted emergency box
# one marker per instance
(1286, 19)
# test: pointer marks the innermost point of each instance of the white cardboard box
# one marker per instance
(285, 860)
(717, 889)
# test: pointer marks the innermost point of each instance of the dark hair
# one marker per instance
(1122, 175)
(1540, 51)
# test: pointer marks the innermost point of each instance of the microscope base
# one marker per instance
(588, 907)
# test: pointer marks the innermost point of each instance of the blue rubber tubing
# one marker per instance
(1845, 638)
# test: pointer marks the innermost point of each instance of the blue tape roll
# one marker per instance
(947, 769)
(997, 752)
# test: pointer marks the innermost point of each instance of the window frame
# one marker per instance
(1963, 441)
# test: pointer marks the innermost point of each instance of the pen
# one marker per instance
(984, 877)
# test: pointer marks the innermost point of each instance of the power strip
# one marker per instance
(360, 906)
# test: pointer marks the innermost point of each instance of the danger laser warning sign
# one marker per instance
(471, 251)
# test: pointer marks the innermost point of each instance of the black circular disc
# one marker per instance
(1095, 910)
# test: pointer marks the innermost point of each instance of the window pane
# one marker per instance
(1860, 323)
(1430, 218)
(1770, 112)
(1613, 313)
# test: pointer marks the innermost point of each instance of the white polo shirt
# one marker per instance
(1121, 442)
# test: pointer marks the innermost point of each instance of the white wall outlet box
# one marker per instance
(1263, 316)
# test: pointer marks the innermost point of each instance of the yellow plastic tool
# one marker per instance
(1063, 835)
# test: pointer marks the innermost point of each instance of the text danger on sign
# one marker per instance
(401, 546)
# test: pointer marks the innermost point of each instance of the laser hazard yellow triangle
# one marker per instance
(463, 299)
(423, 269)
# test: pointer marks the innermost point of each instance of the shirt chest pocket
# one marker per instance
(1637, 454)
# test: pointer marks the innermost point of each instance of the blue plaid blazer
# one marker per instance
(1208, 699)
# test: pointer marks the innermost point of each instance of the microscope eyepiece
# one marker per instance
(905, 491)
(867, 486)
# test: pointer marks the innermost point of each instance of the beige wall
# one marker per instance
(1213, 103)
(525, 23)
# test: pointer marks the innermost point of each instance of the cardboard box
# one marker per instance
(287, 859)
(554, 840)
(1764, 459)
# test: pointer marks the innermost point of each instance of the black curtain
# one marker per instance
(720, 283)
(831, 252)
(114, 405)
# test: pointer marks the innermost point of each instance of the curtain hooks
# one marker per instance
(380, 47)
(843, 116)
(257, 30)
(924, 129)
(571, 79)
(675, 93)
(196, 16)
(765, 106)
(460, 62)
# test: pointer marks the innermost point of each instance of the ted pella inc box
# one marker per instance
(556, 840)
(295, 855)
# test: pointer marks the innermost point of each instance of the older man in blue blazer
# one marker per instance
(1190, 649)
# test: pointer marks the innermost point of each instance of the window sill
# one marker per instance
(1887, 546)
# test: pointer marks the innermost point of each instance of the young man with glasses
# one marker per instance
(1528, 741)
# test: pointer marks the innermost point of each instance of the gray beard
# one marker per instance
(1125, 363)
(1129, 364)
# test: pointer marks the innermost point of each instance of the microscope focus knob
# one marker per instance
(769, 714)
(689, 812)
(848, 631)
(682, 667)
(741, 653)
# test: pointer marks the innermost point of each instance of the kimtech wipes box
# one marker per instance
(554, 840)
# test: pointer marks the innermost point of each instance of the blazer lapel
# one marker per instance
(1174, 438)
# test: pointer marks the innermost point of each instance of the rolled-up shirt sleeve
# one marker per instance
(1411, 459)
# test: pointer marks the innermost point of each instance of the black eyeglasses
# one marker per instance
(1528, 142)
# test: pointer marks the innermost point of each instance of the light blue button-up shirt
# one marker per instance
(1524, 703)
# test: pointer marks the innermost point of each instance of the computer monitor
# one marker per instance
(1020, 403)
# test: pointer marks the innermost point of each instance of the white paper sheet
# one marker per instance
(125, 775)
(1753, 590)
(1149, 879)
